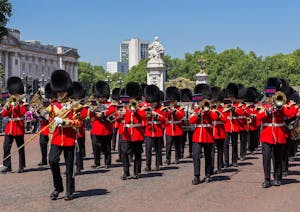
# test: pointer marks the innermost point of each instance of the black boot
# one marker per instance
(54, 194)
(6, 169)
(266, 184)
(196, 180)
(69, 197)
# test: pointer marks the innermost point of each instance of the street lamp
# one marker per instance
(120, 82)
(24, 79)
(108, 80)
(42, 81)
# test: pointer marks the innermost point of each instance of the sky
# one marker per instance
(97, 27)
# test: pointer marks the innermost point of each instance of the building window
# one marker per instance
(16, 62)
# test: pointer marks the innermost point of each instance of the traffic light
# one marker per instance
(28, 89)
(35, 85)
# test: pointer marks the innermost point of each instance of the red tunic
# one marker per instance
(102, 126)
(44, 129)
(133, 129)
(273, 126)
(15, 125)
(174, 122)
(154, 124)
(64, 135)
(218, 126)
(81, 129)
(232, 118)
(203, 132)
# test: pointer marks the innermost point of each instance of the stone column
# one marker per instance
(6, 65)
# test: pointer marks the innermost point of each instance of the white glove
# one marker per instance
(58, 121)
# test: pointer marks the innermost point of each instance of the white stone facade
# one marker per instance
(34, 60)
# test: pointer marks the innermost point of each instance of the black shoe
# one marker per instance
(208, 179)
(118, 160)
(276, 183)
(156, 168)
(54, 194)
(147, 169)
(6, 169)
(42, 164)
(176, 162)
(167, 162)
(284, 174)
(196, 180)
(78, 172)
(125, 176)
(235, 164)
(95, 166)
(69, 197)
(219, 171)
(242, 158)
(226, 165)
(21, 170)
(135, 177)
(106, 166)
(291, 159)
(266, 184)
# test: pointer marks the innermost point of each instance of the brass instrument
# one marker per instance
(205, 103)
(12, 100)
(279, 99)
(133, 105)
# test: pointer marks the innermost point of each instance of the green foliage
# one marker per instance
(5, 13)
(137, 73)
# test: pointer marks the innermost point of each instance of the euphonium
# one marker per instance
(279, 98)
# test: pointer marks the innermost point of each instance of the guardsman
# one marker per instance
(78, 94)
(15, 110)
(102, 127)
(154, 130)
(273, 133)
(115, 96)
(44, 128)
(188, 129)
(203, 118)
(62, 116)
(218, 127)
(232, 112)
(133, 132)
(174, 116)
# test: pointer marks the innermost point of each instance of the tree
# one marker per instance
(5, 13)
(137, 73)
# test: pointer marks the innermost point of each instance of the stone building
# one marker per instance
(33, 60)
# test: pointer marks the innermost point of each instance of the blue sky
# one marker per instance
(96, 27)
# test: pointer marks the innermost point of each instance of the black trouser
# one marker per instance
(243, 143)
(252, 140)
(102, 144)
(44, 146)
(257, 135)
(176, 141)
(114, 139)
(234, 137)
(196, 158)
(54, 157)
(155, 142)
(80, 153)
(219, 143)
(286, 154)
(136, 148)
(8, 140)
(187, 135)
(119, 146)
(274, 152)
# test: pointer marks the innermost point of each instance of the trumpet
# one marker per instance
(205, 103)
(12, 100)
(279, 99)
(133, 105)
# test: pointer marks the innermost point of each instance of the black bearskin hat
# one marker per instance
(242, 91)
(152, 93)
(143, 86)
(251, 95)
(232, 91)
(115, 94)
(61, 81)
(48, 91)
(78, 92)
(274, 82)
(285, 87)
(133, 90)
(161, 96)
(217, 94)
(101, 89)
(173, 94)
(186, 95)
(15, 86)
(203, 89)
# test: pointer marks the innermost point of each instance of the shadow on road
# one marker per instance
(220, 178)
(288, 181)
(153, 174)
(230, 170)
(169, 168)
(294, 172)
(245, 163)
(91, 192)
(37, 169)
(251, 158)
(94, 171)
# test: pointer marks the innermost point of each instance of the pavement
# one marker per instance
(171, 189)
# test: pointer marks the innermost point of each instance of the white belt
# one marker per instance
(230, 118)
(203, 125)
(241, 117)
(174, 122)
(273, 124)
(154, 122)
(218, 122)
(132, 125)
(16, 119)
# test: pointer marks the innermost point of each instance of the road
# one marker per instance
(237, 189)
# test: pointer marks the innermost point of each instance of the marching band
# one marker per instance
(211, 120)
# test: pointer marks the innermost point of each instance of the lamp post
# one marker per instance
(24, 79)
(120, 82)
(108, 80)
